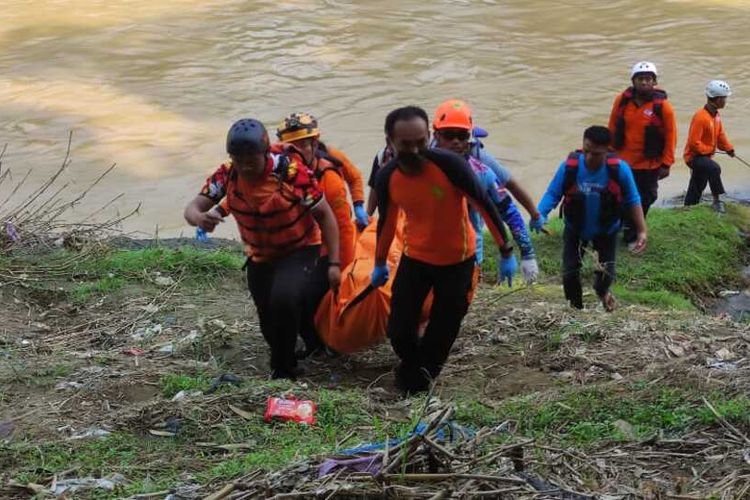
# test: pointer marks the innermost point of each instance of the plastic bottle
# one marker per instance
(200, 233)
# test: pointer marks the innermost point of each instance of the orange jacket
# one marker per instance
(705, 135)
(351, 173)
(333, 187)
(636, 120)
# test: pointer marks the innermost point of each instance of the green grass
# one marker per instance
(556, 337)
(172, 383)
(192, 262)
(104, 286)
(691, 253)
(660, 299)
(120, 452)
(94, 275)
(580, 417)
(141, 457)
(584, 417)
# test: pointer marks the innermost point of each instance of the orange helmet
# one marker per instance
(453, 113)
(297, 126)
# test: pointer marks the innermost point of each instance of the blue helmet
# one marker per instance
(247, 136)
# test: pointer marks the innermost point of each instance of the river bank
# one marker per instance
(107, 356)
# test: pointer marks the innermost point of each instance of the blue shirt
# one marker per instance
(591, 184)
(478, 151)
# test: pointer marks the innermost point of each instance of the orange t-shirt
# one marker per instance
(351, 174)
(334, 190)
(437, 229)
(705, 135)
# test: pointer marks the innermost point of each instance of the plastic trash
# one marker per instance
(91, 432)
(68, 385)
(290, 410)
(184, 394)
(12, 232)
(371, 464)
(134, 351)
(201, 235)
(167, 349)
(86, 483)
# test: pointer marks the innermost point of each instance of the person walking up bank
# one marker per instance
(431, 187)
(705, 136)
(644, 131)
(300, 131)
(280, 213)
(453, 124)
(596, 188)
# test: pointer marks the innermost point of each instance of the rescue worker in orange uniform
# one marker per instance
(280, 214)
(431, 187)
(300, 130)
(353, 178)
(705, 136)
(644, 131)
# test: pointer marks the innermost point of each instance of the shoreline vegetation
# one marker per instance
(109, 349)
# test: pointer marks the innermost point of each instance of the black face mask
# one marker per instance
(410, 159)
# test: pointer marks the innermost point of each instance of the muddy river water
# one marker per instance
(153, 85)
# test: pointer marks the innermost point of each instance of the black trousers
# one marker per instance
(647, 182)
(573, 247)
(286, 293)
(423, 358)
(703, 170)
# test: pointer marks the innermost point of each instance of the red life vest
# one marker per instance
(653, 144)
(274, 215)
(574, 203)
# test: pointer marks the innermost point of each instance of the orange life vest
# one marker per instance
(274, 218)
(654, 141)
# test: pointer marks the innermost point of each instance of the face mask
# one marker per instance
(410, 159)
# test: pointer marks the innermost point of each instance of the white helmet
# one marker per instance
(718, 88)
(643, 67)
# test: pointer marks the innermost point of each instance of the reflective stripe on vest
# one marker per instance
(279, 225)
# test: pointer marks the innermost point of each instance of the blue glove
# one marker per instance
(508, 267)
(361, 215)
(537, 225)
(379, 275)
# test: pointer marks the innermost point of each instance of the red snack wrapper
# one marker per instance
(302, 412)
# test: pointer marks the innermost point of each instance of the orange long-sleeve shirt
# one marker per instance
(636, 120)
(351, 173)
(437, 229)
(706, 134)
(333, 187)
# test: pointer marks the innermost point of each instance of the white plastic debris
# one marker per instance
(68, 385)
(88, 483)
(91, 432)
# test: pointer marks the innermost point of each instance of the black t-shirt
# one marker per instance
(381, 158)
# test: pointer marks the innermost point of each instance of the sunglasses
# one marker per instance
(461, 135)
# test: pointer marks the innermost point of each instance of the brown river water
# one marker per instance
(154, 85)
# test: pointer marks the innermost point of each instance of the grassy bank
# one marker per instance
(692, 253)
(83, 347)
